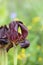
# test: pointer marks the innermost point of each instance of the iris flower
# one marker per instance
(10, 35)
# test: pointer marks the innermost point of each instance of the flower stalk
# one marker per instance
(3, 57)
(15, 54)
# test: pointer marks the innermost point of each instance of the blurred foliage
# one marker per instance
(31, 13)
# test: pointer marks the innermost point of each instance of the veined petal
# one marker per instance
(23, 29)
(13, 34)
(24, 44)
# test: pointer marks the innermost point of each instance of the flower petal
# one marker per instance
(23, 29)
(24, 44)
(13, 34)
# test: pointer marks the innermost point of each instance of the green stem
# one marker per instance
(6, 58)
(15, 55)
(3, 57)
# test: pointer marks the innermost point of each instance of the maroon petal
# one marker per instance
(3, 31)
(13, 34)
(24, 44)
(13, 26)
(3, 37)
(4, 41)
(24, 30)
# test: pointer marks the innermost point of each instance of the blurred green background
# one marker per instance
(31, 13)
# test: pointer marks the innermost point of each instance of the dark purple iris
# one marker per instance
(3, 36)
(10, 35)
(24, 44)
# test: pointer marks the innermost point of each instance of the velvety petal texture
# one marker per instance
(3, 36)
(24, 30)
(24, 44)
(10, 35)
(12, 32)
